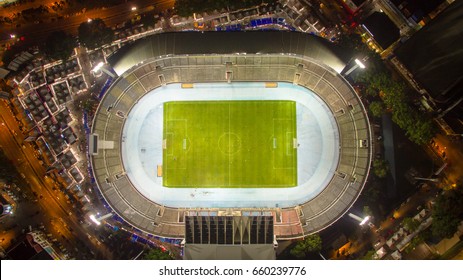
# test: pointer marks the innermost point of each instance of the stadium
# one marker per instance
(256, 128)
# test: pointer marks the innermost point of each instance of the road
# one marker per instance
(453, 151)
(37, 33)
(62, 221)
(12, 9)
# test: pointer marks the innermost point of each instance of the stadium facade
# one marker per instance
(213, 57)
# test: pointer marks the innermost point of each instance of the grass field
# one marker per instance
(229, 144)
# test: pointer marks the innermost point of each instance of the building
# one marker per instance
(432, 59)
(380, 31)
(229, 238)
(272, 61)
(409, 15)
(33, 246)
(419, 12)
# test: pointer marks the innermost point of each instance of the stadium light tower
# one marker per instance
(100, 66)
(358, 64)
(98, 220)
(359, 219)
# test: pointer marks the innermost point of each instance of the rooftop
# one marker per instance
(434, 54)
(382, 28)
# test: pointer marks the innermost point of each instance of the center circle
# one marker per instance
(229, 143)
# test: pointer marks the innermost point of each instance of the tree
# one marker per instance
(417, 240)
(421, 131)
(418, 127)
(89, 104)
(59, 45)
(185, 8)
(410, 224)
(8, 172)
(33, 14)
(367, 211)
(353, 41)
(445, 226)
(380, 168)
(4, 86)
(13, 51)
(95, 33)
(372, 191)
(90, 4)
(377, 108)
(370, 255)
(310, 244)
(148, 20)
(157, 254)
(448, 213)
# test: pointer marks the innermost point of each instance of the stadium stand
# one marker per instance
(292, 57)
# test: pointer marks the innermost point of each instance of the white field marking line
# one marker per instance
(166, 127)
(173, 134)
(277, 119)
(186, 136)
(179, 168)
(274, 136)
(288, 143)
(229, 156)
(261, 186)
(274, 143)
(170, 152)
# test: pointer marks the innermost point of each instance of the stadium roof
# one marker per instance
(251, 42)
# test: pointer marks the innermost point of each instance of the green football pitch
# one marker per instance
(229, 144)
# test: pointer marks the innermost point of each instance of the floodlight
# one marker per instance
(364, 220)
(94, 219)
(98, 66)
(359, 63)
